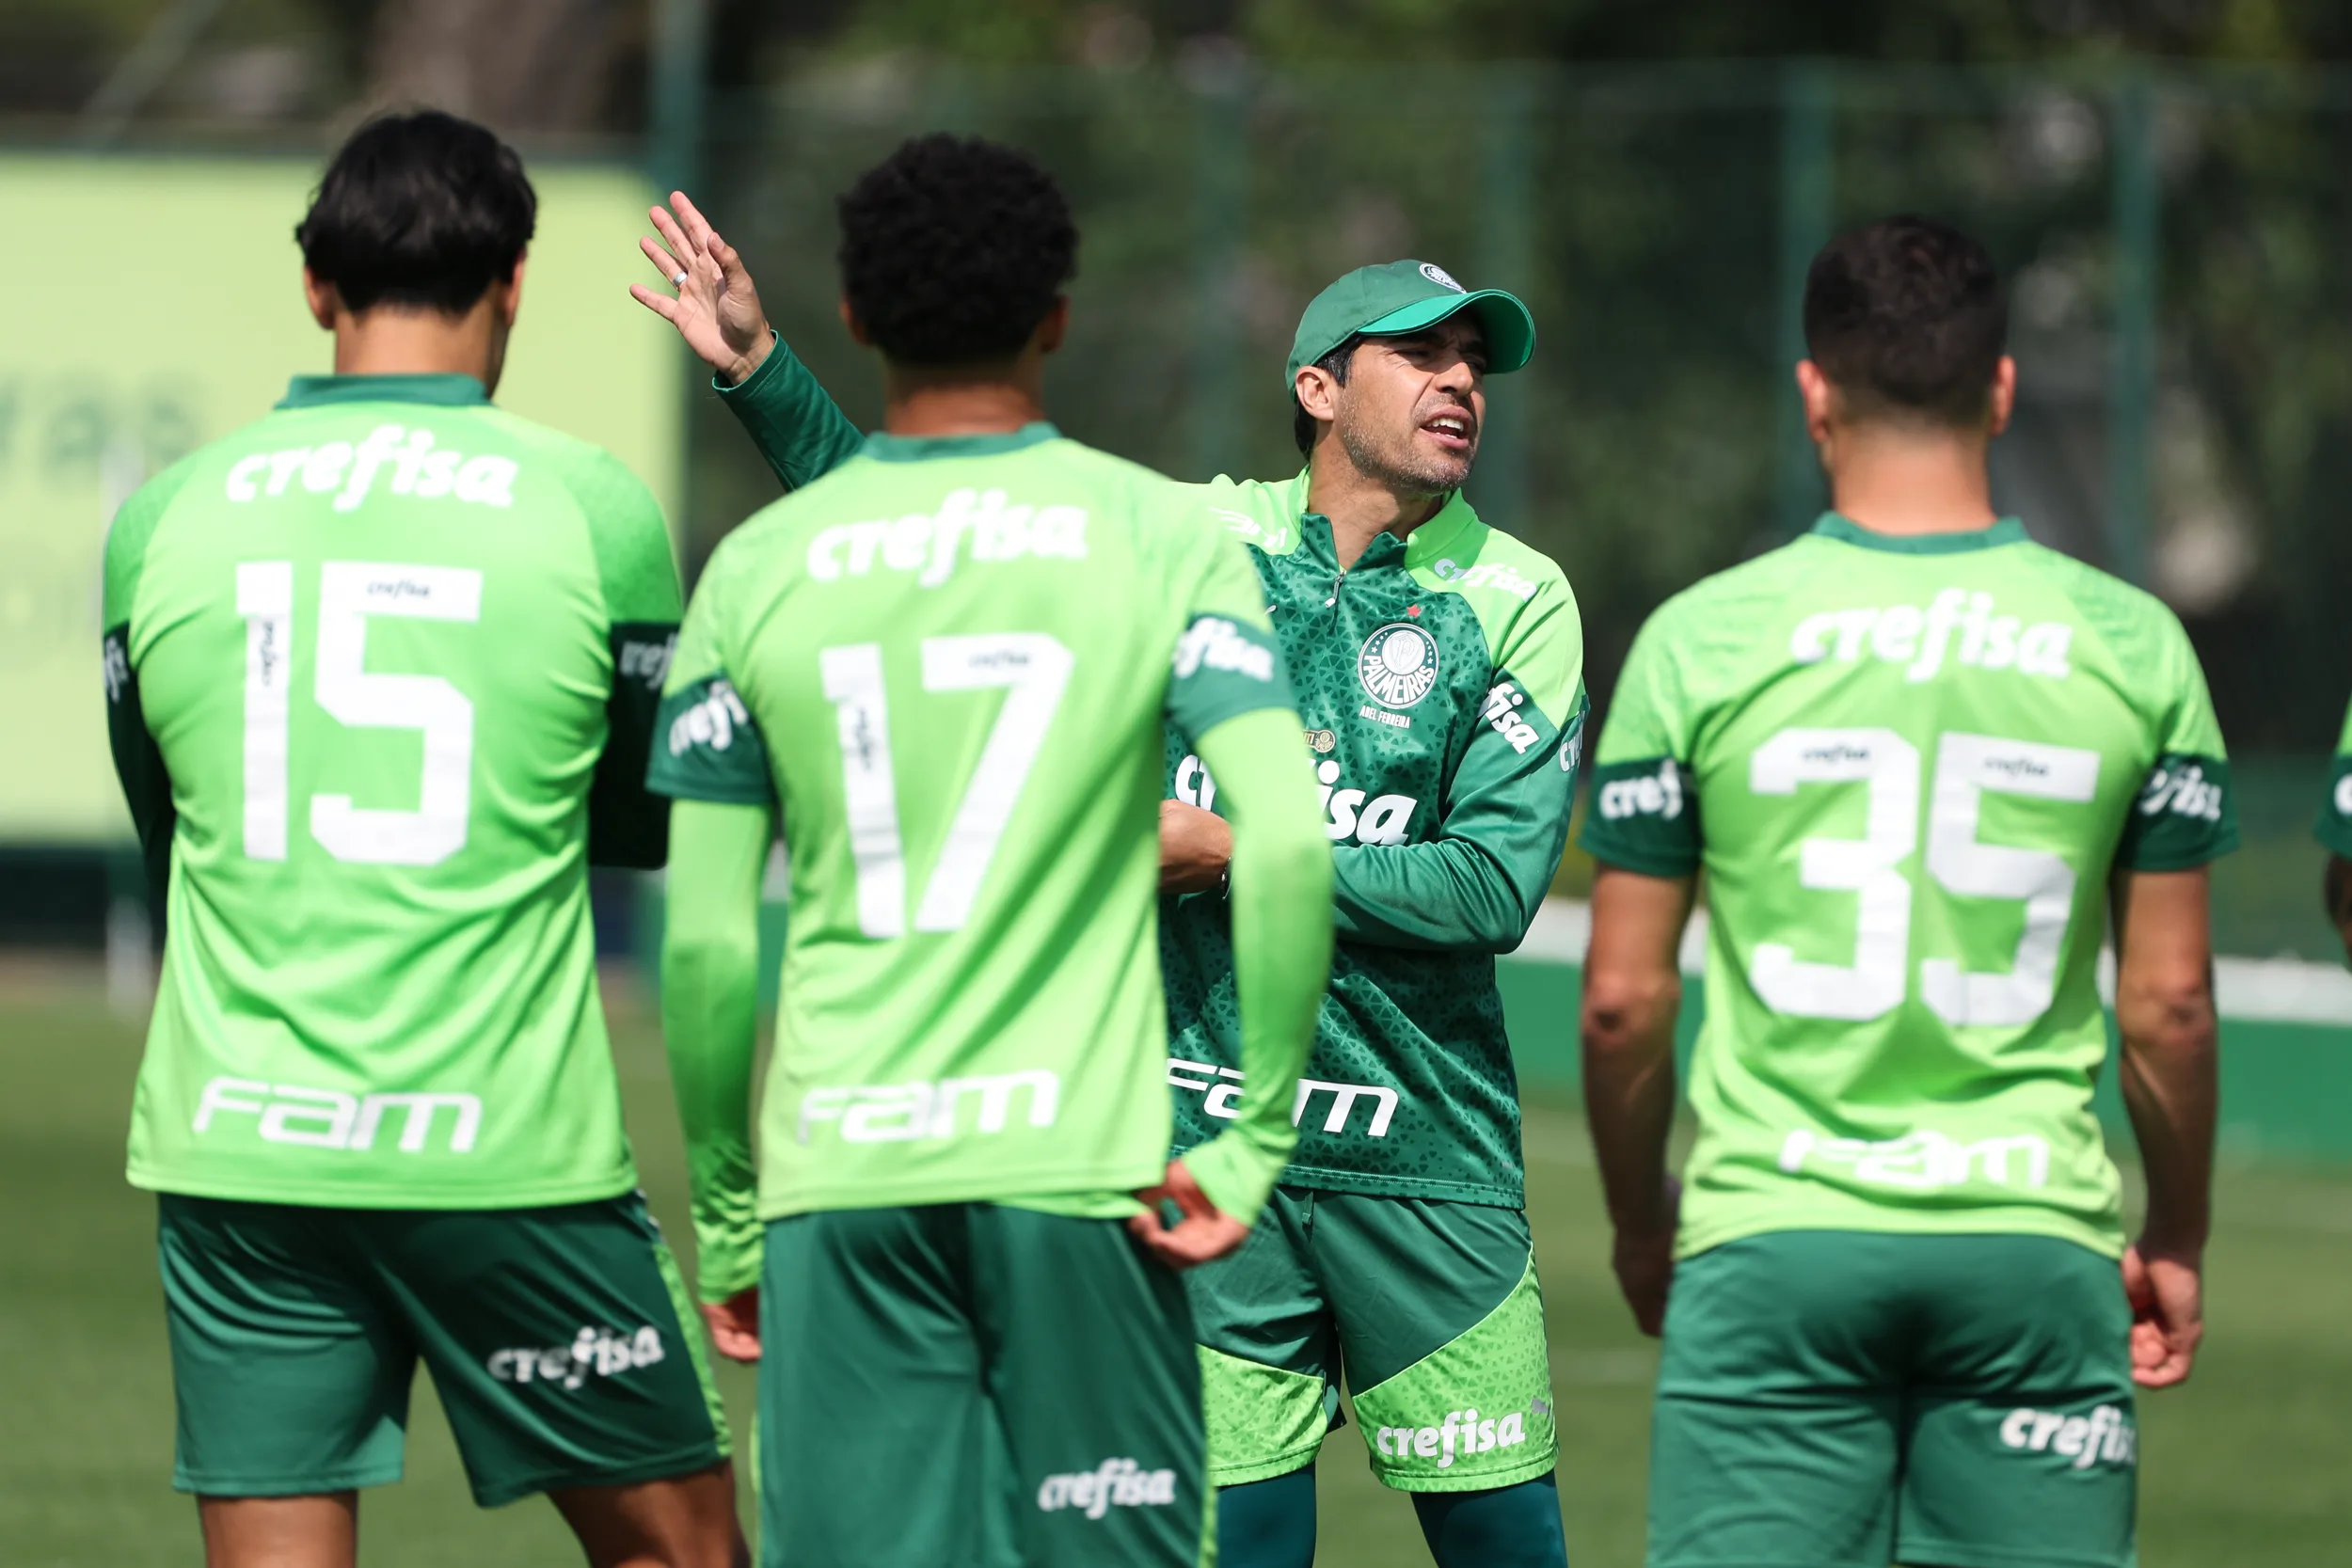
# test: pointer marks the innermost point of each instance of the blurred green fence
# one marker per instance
(2178, 245)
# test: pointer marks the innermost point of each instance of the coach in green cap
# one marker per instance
(1439, 666)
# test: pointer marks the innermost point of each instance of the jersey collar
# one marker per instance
(886, 447)
(2008, 530)
(453, 391)
(1424, 545)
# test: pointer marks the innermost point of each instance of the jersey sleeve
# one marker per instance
(1645, 812)
(791, 419)
(1479, 882)
(1226, 661)
(2187, 813)
(628, 824)
(706, 746)
(2335, 812)
(139, 762)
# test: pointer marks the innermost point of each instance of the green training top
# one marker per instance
(1441, 684)
(381, 674)
(2335, 812)
(947, 666)
(1907, 766)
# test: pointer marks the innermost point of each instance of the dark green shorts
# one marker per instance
(1843, 1399)
(557, 1339)
(962, 1383)
(1431, 1308)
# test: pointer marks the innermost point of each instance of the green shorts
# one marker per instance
(1431, 1308)
(965, 1383)
(557, 1339)
(1843, 1399)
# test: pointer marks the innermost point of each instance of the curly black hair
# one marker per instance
(1905, 318)
(953, 249)
(419, 210)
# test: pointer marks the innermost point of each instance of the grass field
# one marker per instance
(2249, 1467)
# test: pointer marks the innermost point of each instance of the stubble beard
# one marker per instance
(1391, 462)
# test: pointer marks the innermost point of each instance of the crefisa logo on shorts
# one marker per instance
(1461, 1434)
(2106, 1436)
(1113, 1483)
(598, 1352)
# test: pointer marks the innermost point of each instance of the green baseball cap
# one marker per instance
(1397, 297)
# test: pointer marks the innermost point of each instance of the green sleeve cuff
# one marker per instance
(1236, 1177)
(791, 419)
(2334, 828)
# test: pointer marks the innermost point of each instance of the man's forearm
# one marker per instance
(2336, 888)
(1632, 990)
(1282, 923)
(1450, 894)
(1629, 1099)
(709, 1018)
(2171, 1080)
(791, 419)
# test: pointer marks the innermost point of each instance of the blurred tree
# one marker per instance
(520, 65)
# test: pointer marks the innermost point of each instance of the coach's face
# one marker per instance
(1413, 406)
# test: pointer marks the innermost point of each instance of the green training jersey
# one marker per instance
(1907, 766)
(946, 665)
(1440, 683)
(1443, 680)
(2335, 812)
(381, 673)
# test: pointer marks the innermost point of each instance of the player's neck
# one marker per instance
(1903, 483)
(963, 399)
(1361, 507)
(388, 340)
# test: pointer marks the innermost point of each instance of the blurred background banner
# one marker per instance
(165, 310)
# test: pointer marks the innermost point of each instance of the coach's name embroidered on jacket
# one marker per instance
(418, 468)
(1905, 634)
(929, 542)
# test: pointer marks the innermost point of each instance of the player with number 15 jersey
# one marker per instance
(382, 670)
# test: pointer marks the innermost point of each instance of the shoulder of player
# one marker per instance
(1728, 610)
(2120, 614)
(1493, 569)
(594, 476)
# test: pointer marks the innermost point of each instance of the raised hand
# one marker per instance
(717, 307)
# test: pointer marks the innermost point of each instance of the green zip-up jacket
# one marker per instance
(1440, 680)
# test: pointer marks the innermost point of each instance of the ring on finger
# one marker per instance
(678, 278)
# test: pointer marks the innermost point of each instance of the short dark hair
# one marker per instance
(1333, 364)
(953, 249)
(1905, 318)
(420, 209)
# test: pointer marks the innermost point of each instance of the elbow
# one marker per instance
(2172, 1013)
(1624, 1009)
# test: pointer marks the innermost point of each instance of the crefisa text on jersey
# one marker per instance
(1922, 639)
(418, 467)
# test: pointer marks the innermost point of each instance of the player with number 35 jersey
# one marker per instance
(1918, 757)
